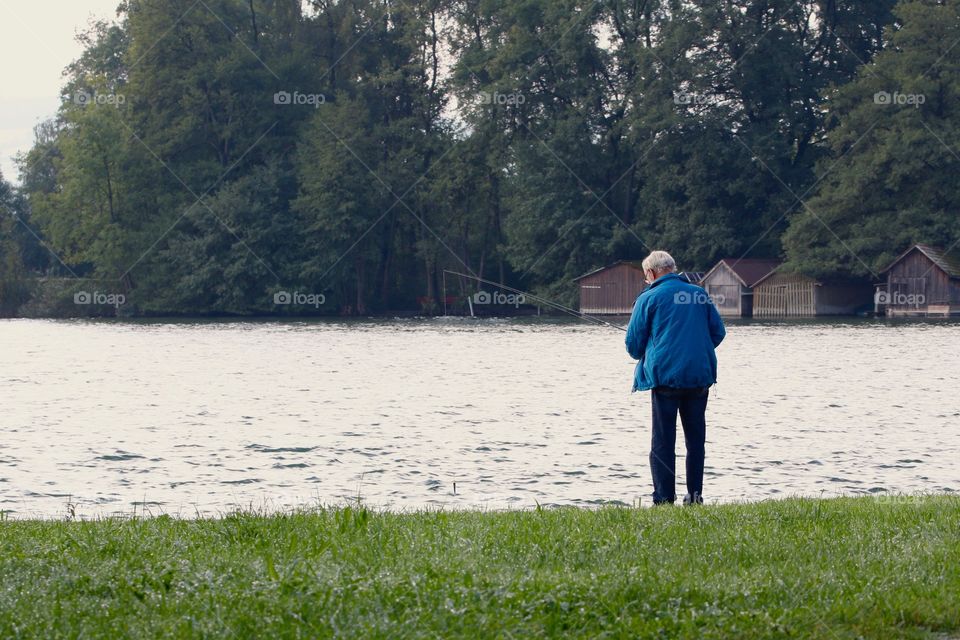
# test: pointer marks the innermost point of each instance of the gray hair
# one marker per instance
(659, 261)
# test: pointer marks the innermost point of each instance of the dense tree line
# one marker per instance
(209, 156)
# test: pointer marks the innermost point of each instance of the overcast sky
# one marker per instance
(37, 40)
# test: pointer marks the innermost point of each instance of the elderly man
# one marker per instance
(673, 332)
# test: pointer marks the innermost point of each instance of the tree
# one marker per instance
(894, 148)
(232, 251)
(208, 155)
(365, 166)
(13, 287)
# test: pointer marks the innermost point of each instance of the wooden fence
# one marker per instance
(785, 295)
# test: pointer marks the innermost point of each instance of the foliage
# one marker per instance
(228, 151)
(893, 148)
(13, 287)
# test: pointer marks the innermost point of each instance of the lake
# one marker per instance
(187, 418)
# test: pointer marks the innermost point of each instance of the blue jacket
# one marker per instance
(673, 332)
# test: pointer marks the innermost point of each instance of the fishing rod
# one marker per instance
(549, 303)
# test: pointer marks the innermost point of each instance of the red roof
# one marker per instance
(747, 270)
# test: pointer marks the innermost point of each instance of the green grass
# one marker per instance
(798, 568)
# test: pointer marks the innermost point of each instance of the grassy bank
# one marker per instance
(845, 568)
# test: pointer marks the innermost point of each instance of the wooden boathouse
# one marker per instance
(611, 290)
(923, 281)
(730, 283)
(781, 295)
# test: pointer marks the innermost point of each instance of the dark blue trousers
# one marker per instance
(691, 404)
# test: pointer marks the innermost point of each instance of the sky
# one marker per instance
(37, 41)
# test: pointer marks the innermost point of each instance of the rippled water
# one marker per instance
(188, 418)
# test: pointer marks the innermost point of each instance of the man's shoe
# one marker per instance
(696, 498)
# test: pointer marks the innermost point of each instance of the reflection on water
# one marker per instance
(207, 417)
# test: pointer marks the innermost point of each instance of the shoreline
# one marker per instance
(74, 511)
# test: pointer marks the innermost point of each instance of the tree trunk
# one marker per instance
(253, 22)
(358, 264)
